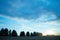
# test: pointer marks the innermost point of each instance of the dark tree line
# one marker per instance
(6, 32)
(30, 34)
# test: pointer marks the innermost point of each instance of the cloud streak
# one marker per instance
(29, 9)
(21, 24)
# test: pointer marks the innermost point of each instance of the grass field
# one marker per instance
(30, 38)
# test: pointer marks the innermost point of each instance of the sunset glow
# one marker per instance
(49, 32)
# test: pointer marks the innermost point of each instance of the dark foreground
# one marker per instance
(31, 38)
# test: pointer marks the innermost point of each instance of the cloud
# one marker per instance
(38, 25)
(30, 15)
(29, 9)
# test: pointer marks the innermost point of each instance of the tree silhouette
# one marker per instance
(27, 34)
(2, 32)
(31, 34)
(14, 33)
(22, 33)
(39, 34)
(35, 34)
(6, 32)
(10, 34)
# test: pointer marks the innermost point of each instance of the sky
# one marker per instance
(30, 15)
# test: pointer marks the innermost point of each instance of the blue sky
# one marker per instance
(30, 15)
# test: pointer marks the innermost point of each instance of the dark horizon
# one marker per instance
(6, 34)
(10, 32)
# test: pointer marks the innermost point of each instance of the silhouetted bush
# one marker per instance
(39, 34)
(27, 34)
(22, 33)
(14, 33)
(2, 32)
(6, 32)
(35, 34)
(31, 34)
(10, 34)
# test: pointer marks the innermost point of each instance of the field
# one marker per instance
(30, 38)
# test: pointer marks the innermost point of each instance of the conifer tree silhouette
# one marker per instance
(34, 34)
(22, 33)
(10, 34)
(31, 34)
(6, 32)
(2, 32)
(27, 34)
(14, 33)
(39, 34)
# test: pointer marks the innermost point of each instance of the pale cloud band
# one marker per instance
(38, 25)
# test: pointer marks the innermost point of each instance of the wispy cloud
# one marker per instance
(29, 9)
(39, 25)
(30, 15)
